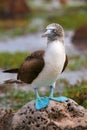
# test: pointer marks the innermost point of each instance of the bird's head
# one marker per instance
(53, 32)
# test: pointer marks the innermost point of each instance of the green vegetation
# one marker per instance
(78, 93)
(16, 99)
(10, 60)
(77, 62)
(20, 98)
(68, 17)
(69, 20)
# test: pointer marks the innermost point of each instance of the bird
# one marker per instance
(43, 67)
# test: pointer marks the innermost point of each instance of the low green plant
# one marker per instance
(78, 93)
(77, 62)
(20, 98)
(15, 99)
(11, 60)
(69, 17)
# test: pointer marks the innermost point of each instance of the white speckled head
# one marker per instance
(54, 31)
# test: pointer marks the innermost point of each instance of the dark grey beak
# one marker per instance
(47, 33)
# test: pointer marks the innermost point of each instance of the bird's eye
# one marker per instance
(54, 30)
(54, 33)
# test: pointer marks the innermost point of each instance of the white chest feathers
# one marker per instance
(54, 61)
(55, 57)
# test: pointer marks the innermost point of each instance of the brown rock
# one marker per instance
(63, 1)
(80, 38)
(6, 119)
(57, 116)
(13, 8)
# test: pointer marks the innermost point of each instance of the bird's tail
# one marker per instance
(15, 70)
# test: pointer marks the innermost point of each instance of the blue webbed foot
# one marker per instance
(42, 102)
(58, 99)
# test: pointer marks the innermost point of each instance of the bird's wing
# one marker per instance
(65, 64)
(31, 67)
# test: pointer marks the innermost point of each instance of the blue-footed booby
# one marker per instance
(43, 67)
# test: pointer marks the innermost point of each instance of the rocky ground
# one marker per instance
(57, 116)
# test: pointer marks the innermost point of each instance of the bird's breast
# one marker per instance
(54, 61)
(55, 58)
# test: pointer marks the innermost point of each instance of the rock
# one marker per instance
(63, 1)
(57, 116)
(13, 8)
(80, 38)
(6, 119)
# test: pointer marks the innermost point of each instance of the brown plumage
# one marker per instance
(65, 64)
(14, 70)
(31, 67)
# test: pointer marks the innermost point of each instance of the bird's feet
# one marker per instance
(41, 102)
(58, 99)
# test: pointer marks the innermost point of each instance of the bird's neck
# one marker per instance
(50, 40)
(56, 48)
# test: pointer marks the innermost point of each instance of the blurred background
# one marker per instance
(22, 23)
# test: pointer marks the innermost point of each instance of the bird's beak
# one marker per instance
(46, 34)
